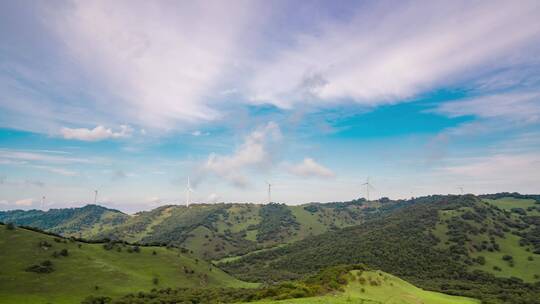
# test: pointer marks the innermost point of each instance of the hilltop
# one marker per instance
(41, 268)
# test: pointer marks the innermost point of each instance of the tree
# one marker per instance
(10, 226)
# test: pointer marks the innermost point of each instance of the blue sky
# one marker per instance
(132, 97)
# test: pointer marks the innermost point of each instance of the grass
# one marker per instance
(370, 287)
(77, 275)
(523, 268)
(507, 203)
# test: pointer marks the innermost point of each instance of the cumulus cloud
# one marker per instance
(388, 55)
(24, 202)
(310, 168)
(96, 134)
(255, 152)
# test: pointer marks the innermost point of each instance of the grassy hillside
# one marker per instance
(434, 242)
(334, 285)
(69, 221)
(92, 269)
(377, 287)
(211, 231)
(500, 236)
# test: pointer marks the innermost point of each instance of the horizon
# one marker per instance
(81, 204)
(134, 98)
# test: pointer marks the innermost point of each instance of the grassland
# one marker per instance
(371, 287)
(90, 269)
(525, 264)
(508, 203)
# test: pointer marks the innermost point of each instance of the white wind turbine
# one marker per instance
(95, 196)
(189, 190)
(368, 186)
(43, 203)
(269, 192)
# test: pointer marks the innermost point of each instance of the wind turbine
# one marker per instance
(95, 196)
(43, 203)
(460, 189)
(269, 192)
(189, 190)
(368, 186)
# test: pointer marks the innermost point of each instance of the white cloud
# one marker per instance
(160, 60)
(310, 168)
(516, 107)
(57, 170)
(199, 133)
(387, 54)
(24, 202)
(213, 198)
(255, 152)
(22, 157)
(154, 201)
(496, 173)
(96, 134)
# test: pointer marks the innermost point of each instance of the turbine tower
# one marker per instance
(368, 186)
(188, 192)
(269, 192)
(95, 196)
(460, 189)
(43, 203)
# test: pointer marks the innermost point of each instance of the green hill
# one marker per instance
(82, 269)
(211, 231)
(67, 221)
(334, 285)
(435, 242)
(377, 287)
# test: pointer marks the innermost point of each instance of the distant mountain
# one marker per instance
(212, 231)
(466, 245)
(68, 221)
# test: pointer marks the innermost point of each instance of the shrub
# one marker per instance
(507, 257)
(45, 267)
(96, 300)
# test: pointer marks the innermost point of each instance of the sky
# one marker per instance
(131, 98)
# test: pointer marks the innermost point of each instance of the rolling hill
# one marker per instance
(67, 221)
(211, 231)
(377, 287)
(41, 268)
(334, 285)
(445, 243)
